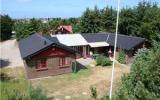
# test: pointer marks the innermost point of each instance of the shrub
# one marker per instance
(99, 59)
(143, 81)
(103, 61)
(93, 92)
(106, 62)
(122, 57)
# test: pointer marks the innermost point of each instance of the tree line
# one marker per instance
(142, 20)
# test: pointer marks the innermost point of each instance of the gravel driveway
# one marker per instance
(10, 55)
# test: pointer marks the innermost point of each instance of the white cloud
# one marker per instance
(23, 1)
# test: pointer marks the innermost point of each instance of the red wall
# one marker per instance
(53, 51)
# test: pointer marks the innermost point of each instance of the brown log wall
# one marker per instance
(53, 67)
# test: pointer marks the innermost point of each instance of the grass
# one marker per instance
(10, 86)
(80, 74)
(17, 82)
(71, 84)
(19, 88)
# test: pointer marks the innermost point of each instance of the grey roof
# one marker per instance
(36, 43)
(123, 41)
(53, 39)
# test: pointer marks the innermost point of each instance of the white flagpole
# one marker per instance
(115, 45)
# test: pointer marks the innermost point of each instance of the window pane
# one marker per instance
(41, 63)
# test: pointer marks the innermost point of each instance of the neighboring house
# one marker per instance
(51, 55)
(65, 29)
(45, 57)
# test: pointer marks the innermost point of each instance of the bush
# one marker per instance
(93, 92)
(103, 61)
(99, 59)
(106, 62)
(143, 81)
(122, 57)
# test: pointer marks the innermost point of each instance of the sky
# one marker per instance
(58, 8)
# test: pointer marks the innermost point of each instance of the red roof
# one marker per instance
(67, 27)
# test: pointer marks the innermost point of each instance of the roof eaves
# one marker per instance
(31, 55)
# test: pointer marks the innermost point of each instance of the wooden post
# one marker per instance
(84, 51)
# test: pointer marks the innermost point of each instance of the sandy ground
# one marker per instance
(10, 55)
(61, 86)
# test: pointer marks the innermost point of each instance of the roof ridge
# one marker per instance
(44, 38)
(130, 36)
(114, 34)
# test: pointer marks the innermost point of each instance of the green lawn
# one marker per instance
(80, 74)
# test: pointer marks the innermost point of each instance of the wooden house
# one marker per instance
(43, 57)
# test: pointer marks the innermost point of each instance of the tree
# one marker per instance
(142, 20)
(143, 81)
(44, 28)
(148, 16)
(34, 25)
(6, 27)
(55, 23)
(108, 19)
(128, 23)
(22, 30)
(25, 29)
(90, 21)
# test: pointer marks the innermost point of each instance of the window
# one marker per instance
(41, 64)
(63, 61)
